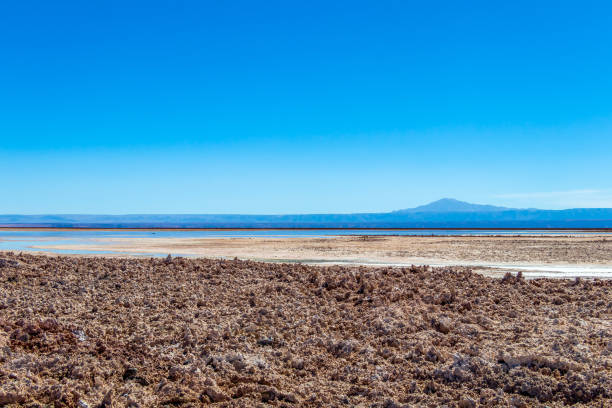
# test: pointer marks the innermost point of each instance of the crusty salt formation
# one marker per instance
(92, 331)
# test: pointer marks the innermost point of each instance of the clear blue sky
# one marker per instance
(290, 107)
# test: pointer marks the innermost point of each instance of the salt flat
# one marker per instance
(537, 256)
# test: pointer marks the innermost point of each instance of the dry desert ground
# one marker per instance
(178, 332)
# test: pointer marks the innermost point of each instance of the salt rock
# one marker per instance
(11, 398)
(176, 395)
(216, 394)
(467, 403)
(107, 401)
(443, 325)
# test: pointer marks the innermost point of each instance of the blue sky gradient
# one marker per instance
(287, 107)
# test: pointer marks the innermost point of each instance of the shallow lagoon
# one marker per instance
(26, 239)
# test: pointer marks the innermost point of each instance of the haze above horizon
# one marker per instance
(206, 108)
(441, 206)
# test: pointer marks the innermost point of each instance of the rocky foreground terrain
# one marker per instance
(111, 332)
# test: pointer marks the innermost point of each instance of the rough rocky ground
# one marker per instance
(110, 332)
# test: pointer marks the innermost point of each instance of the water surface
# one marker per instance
(27, 239)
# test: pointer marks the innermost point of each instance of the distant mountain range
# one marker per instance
(444, 213)
(447, 205)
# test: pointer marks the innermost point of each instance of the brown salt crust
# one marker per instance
(110, 332)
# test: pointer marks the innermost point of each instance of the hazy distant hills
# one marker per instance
(447, 205)
(445, 213)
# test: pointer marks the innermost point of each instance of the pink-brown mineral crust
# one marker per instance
(111, 332)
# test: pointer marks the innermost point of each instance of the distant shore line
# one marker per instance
(76, 228)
